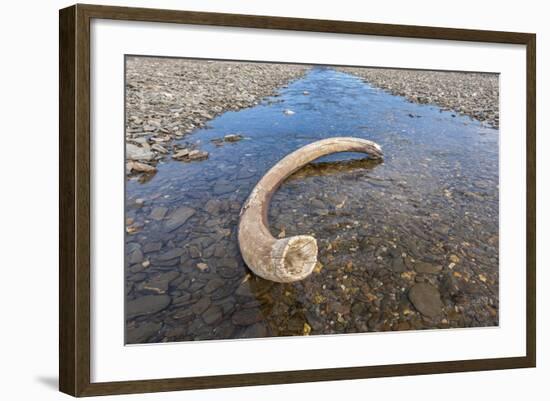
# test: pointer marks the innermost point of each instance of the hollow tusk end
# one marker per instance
(293, 258)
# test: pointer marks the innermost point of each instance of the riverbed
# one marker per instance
(404, 244)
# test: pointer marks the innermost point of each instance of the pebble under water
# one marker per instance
(404, 244)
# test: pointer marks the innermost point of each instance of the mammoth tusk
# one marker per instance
(287, 259)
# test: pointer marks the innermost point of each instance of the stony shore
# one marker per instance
(472, 94)
(168, 98)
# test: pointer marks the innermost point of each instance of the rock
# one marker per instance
(246, 173)
(257, 330)
(137, 277)
(160, 282)
(196, 285)
(201, 306)
(296, 324)
(181, 154)
(137, 268)
(227, 272)
(212, 315)
(232, 138)
(146, 305)
(197, 155)
(178, 217)
(450, 285)
(223, 187)
(140, 334)
(213, 285)
(184, 315)
(135, 257)
(425, 267)
(337, 307)
(152, 247)
(243, 290)
(224, 330)
(228, 262)
(182, 299)
(220, 250)
(176, 333)
(188, 155)
(305, 93)
(401, 326)
(194, 252)
(246, 317)
(134, 152)
(171, 254)
(202, 266)
(397, 265)
(316, 203)
(132, 246)
(159, 148)
(426, 299)
(454, 259)
(288, 112)
(213, 206)
(140, 167)
(158, 213)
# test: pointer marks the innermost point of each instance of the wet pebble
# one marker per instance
(152, 247)
(158, 213)
(246, 317)
(160, 282)
(212, 315)
(146, 305)
(141, 333)
(426, 299)
(425, 267)
(178, 217)
(201, 306)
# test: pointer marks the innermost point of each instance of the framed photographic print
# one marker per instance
(251, 200)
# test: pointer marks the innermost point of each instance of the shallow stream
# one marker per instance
(426, 217)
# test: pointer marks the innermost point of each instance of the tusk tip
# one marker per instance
(294, 258)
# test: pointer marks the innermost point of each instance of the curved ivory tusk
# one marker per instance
(287, 259)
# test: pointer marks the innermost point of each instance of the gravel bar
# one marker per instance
(168, 98)
(472, 94)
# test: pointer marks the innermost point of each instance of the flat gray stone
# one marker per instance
(152, 247)
(158, 213)
(232, 138)
(135, 257)
(246, 317)
(146, 305)
(212, 315)
(223, 187)
(426, 299)
(257, 330)
(178, 217)
(160, 282)
(425, 267)
(134, 152)
(171, 254)
(141, 333)
(397, 265)
(201, 306)
(213, 285)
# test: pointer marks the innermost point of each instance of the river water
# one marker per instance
(408, 243)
